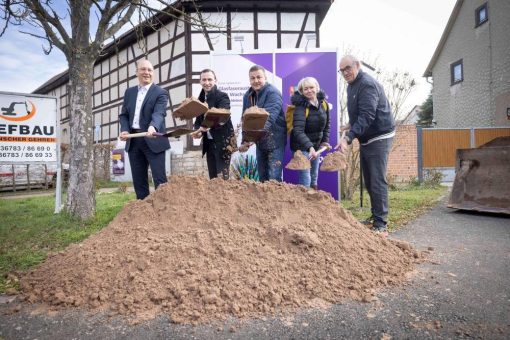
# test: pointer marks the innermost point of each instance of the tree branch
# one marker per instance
(99, 6)
(45, 19)
(117, 9)
(103, 32)
(178, 14)
(46, 50)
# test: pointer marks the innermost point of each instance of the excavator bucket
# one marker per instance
(482, 180)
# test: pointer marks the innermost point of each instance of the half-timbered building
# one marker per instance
(179, 51)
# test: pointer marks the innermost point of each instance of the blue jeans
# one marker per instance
(270, 163)
(374, 162)
(309, 177)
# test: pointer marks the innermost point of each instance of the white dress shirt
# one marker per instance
(142, 91)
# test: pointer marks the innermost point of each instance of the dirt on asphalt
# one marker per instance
(202, 250)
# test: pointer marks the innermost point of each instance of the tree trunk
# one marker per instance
(81, 199)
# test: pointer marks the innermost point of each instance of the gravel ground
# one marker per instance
(463, 291)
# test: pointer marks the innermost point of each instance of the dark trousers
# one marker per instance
(140, 158)
(374, 163)
(218, 161)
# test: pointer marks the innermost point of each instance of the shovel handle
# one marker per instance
(321, 150)
(134, 135)
(144, 134)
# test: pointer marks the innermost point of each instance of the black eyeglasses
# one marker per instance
(347, 68)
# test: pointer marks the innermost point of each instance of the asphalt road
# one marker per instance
(462, 291)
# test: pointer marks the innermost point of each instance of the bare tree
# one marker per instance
(68, 26)
(398, 85)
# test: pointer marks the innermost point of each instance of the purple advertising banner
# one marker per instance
(263, 59)
(291, 68)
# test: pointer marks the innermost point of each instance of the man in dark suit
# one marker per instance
(216, 139)
(144, 110)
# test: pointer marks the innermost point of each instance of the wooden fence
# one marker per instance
(437, 147)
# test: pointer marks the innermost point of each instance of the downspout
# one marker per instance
(492, 105)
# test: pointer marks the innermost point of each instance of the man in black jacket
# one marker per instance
(372, 123)
(215, 140)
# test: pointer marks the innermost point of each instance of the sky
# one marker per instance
(401, 34)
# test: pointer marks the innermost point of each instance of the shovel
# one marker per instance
(321, 150)
(332, 162)
(174, 133)
(299, 162)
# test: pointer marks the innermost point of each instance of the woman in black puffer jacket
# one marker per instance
(310, 126)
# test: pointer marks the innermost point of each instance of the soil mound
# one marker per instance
(200, 250)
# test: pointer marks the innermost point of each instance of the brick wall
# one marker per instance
(403, 159)
(190, 163)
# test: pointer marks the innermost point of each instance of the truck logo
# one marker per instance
(18, 111)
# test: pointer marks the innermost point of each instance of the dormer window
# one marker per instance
(481, 15)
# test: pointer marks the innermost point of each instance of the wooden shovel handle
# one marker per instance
(343, 134)
(134, 135)
(321, 150)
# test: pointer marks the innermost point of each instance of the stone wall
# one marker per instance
(191, 163)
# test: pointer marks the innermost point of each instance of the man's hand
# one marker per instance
(151, 131)
(245, 146)
(197, 134)
(342, 145)
(122, 135)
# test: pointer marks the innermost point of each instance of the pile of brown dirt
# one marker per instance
(334, 161)
(298, 162)
(200, 250)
